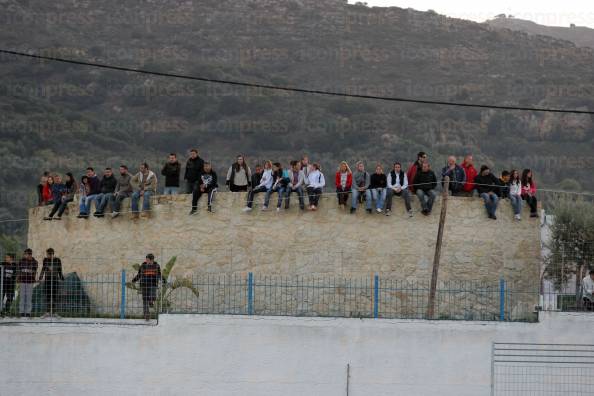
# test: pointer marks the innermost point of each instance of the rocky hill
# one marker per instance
(64, 117)
(579, 35)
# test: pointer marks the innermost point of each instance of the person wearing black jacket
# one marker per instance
(207, 185)
(26, 275)
(256, 177)
(171, 170)
(504, 185)
(51, 273)
(487, 186)
(149, 275)
(107, 189)
(194, 168)
(9, 269)
(425, 184)
(378, 183)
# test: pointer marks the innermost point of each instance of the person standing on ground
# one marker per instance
(26, 275)
(149, 275)
(171, 170)
(194, 168)
(51, 274)
(9, 268)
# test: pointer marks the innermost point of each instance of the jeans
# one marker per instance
(299, 192)
(60, 207)
(146, 201)
(102, 201)
(26, 298)
(403, 193)
(190, 186)
(516, 202)
(170, 190)
(343, 195)
(314, 195)
(85, 203)
(197, 194)
(52, 294)
(281, 193)
(379, 196)
(117, 199)
(355, 198)
(427, 198)
(250, 197)
(531, 201)
(491, 202)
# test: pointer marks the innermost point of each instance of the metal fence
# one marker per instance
(542, 369)
(114, 296)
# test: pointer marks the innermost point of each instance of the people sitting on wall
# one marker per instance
(194, 167)
(344, 182)
(588, 291)
(107, 189)
(208, 185)
(51, 274)
(57, 190)
(123, 190)
(84, 189)
(307, 169)
(295, 185)
(239, 175)
(64, 195)
(515, 193)
(145, 186)
(171, 170)
(425, 183)
(414, 168)
(360, 188)
(256, 176)
(47, 195)
(316, 186)
(456, 174)
(487, 187)
(265, 184)
(92, 191)
(280, 179)
(504, 184)
(529, 191)
(26, 276)
(470, 173)
(40, 188)
(378, 183)
(149, 275)
(398, 186)
(9, 270)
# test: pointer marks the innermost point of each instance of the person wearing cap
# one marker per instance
(26, 273)
(51, 273)
(9, 269)
(588, 291)
(149, 274)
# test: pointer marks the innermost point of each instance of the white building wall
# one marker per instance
(225, 355)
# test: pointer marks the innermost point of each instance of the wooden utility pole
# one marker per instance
(442, 217)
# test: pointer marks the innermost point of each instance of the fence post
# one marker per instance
(123, 302)
(438, 243)
(501, 299)
(2, 288)
(250, 293)
(375, 296)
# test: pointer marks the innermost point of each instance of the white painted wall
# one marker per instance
(224, 355)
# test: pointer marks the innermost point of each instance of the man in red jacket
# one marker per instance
(471, 173)
(414, 168)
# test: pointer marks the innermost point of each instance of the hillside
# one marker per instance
(579, 35)
(63, 117)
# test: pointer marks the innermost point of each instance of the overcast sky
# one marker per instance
(544, 12)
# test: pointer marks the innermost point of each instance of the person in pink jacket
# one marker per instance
(529, 191)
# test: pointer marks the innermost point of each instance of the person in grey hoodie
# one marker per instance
(361, 181)
(123, 190)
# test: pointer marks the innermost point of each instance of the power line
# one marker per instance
(292, 89)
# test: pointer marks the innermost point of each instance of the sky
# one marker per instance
(544, 12)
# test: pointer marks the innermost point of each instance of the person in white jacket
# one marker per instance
(264, 186)
(588, 291)
(316, 186)
(515, 193)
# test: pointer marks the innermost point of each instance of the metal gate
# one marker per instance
(542, 369)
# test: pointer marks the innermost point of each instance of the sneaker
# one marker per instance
(410, 213)
(58, 218)
(533, 215)
(210, 209)
(45, 316)
(378, 210)
(82, 216)
(47, 218)
(369, 211)
(264, 208)
(247, 209)
(115, 214)
(278, 209)
(314, 208)
(192, 212)
(388, 211)
(494, 217)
